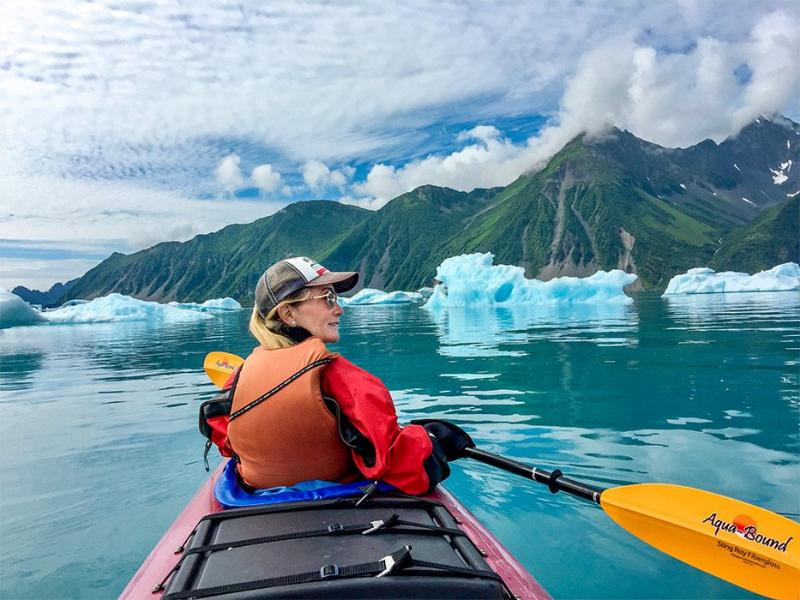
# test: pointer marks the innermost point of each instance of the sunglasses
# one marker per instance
(330, 296)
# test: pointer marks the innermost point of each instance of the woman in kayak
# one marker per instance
(301, 412)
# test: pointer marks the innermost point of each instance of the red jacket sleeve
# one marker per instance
(404, 457)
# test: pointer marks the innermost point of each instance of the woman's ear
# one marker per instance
(285, 315)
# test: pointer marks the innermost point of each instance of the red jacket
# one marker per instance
(404, 457)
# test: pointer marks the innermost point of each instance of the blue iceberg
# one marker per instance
(15, 311)
(118, 308)
(372, 297)
(785, 277)
(215, 305)
(472, 280)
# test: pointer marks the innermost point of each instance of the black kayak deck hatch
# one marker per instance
(388, 547)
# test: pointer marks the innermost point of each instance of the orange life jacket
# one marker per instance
(291, 436)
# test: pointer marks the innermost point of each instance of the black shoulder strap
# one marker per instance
(279, 387)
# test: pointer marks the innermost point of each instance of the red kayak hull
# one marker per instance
(163, 557)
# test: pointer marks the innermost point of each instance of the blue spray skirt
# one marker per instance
(230, 494)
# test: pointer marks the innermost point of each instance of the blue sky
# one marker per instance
(128, 122)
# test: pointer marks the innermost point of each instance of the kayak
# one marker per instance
(388, 545)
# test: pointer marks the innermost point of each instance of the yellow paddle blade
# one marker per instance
(219, 366)
(746, 545)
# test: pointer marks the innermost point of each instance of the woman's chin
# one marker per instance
(329, 337)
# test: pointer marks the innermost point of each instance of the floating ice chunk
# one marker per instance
(788, 145)
(215, 305)
(116, 307)
(748, 201)
(683, 186)
(371, 296)
(785, 277)
(472, 280)
(736, 167)
(793, 194)
(15, 311)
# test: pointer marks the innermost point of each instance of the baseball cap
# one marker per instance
(287, 276)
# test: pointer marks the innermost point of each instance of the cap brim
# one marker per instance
(341, 282)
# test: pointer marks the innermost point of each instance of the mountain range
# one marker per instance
(613, 201)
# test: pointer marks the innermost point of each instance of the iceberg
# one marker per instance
(371, 297)
(215, 305)
(15, 311)
(117, 308)
(785, 277)
(472, 280)
(109, 309)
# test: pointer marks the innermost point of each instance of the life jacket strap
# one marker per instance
(251, 405)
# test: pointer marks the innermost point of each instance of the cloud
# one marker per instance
(369, 203)
(313, 81)
(672, 98)
(103, 217)
(265, 179)
(492, 161)
(318, 176)
(229, 174)
(680, 98)
(41, 274)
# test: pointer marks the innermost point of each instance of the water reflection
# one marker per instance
(121, 351)
(17, 370)
(501, 331)
(721, 311)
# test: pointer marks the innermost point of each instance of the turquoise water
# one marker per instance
(102, 451)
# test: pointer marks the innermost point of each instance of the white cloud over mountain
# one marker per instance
(318, 176)
(265, 179)
(229, 174)
(670, 98)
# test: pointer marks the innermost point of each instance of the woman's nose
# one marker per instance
(338, 310)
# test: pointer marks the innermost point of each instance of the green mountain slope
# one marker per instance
(772, 239)
(586, 212)
(400, 246)
(225, 263)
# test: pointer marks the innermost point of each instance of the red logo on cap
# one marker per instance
(321, 270)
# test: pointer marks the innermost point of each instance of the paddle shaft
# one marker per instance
(555, 480)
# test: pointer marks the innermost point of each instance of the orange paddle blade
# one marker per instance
(746, 545)
(219, 366)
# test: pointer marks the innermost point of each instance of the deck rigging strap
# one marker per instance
(399, 560)
(390, 524)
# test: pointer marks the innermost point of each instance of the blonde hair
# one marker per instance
(270, 331)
